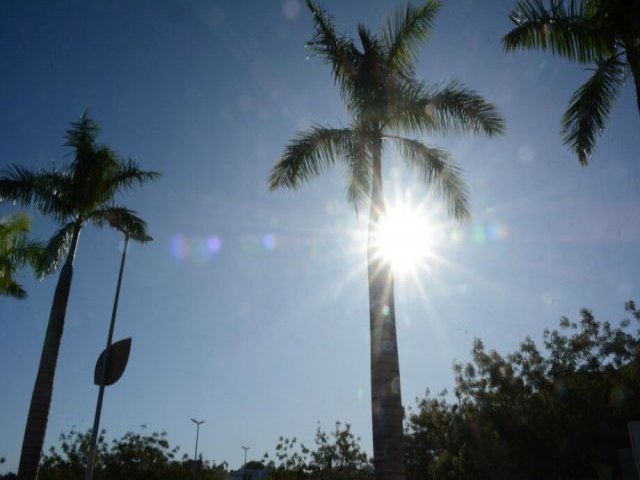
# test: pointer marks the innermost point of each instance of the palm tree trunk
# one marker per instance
(386, 401)
(36, 428)
(633, 57)
(632, 48)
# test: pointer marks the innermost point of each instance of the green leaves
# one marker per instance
(589, 31)
(83, 133)
(16, 252)
(590, 107)
(565, 29)
(309, 154)
(445, 108)
(336, 50)
(435, 168)
(56, 249)
(568, 402)
(403, 32)
(376, 81)
(123, 219)
(81, 191)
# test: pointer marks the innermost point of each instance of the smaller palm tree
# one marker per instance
(16, 252)
(603, 33)
(81, 192)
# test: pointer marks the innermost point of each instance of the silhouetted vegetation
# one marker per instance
(134, 456)
(337, 455)
(602, 33)
(559, 412)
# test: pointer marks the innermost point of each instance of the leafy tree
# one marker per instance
(376, 79)
(81, 192)
(16, 251)
(337, 455)
(560, 413)
(134, 456)
(602, 33)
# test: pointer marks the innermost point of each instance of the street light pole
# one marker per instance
(195, 455)
(245, 457)
(96, 418)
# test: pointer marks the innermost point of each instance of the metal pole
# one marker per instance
(96, 418)
(195, 455)
(245, 456)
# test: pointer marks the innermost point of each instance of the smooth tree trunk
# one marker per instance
(633, 57)
(36, 427)
(631, 41)
(386, 400)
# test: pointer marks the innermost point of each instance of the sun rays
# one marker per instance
(405, 238)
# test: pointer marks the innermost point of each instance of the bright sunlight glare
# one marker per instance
(405, 239)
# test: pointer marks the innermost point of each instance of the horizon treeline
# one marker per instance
(559, 410)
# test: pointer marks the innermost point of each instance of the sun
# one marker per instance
(405, 238)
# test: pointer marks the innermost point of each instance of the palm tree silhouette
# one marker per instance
(16, 252)
(601, 32)
(377, 82)
(81, 192)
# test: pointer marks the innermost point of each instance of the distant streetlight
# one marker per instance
(245, 456)
(107, 373)
(195, 455)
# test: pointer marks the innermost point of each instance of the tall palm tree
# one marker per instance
(377, 82)
(16, 252)
(603, 33)
(81, 192)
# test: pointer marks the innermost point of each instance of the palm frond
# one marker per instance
(438, 171)
(402, 33)
(14, 224)
(15, 246)
(359, 173)
(56, 249)
(450, 108)
(565, 29)
(128, 175)
(52, 195)
(590, 107)
(42, 190)
(122, 219)
(309, 154)
(336, 50)
(9, 287)
(16, 251)
(17, 184)
(82, 133)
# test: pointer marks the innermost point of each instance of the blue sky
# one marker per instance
(249, 309)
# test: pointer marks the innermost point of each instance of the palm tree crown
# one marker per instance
(376, 80)
(79, 193)
(16, 251)
(377, 83)
(604, 33)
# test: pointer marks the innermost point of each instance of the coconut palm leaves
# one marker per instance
(16, 252)
(376, 82)
(375, 75)
(77, 194)
(601, 32)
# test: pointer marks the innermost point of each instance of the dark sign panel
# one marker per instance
(118, 358)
